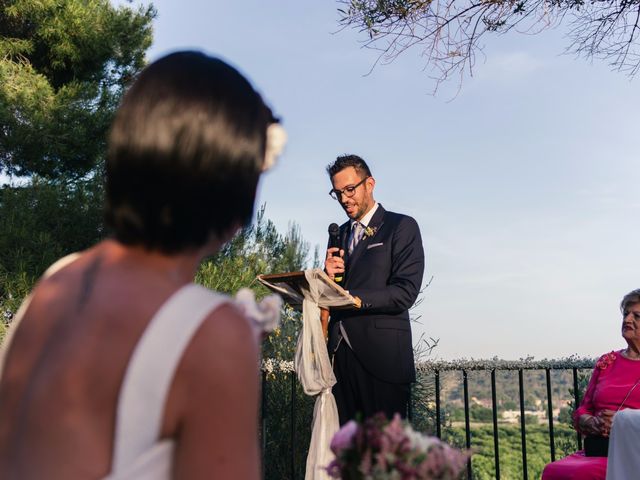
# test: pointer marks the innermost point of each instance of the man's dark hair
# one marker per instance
(185, 154)
(345, 161)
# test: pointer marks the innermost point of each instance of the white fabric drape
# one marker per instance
(624, 446)
(313, 366)
(316, 377)
(314, 371)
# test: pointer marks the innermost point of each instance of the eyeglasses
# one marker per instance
(348, 191)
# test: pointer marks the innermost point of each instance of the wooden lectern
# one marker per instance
(292, 286)
(309, 291)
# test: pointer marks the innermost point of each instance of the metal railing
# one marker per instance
(286, 412)
(492, 366)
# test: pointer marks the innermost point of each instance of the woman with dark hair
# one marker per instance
(117, 365)
(613, 387)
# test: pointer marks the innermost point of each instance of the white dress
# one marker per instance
(624, 446)
(137, 452)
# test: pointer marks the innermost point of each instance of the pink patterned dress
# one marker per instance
(612, 379)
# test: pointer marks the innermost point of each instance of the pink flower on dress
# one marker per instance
(605, 360)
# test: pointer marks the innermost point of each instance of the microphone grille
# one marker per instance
(334, 229)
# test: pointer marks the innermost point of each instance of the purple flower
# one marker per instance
(392, 451)
(343, 438)
(395, 431)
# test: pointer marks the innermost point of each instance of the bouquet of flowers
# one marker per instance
(381, 450)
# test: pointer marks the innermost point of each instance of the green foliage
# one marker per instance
(63, 67)
(422, 412)
(41, 222)
(260, 249)
(510, 448)
(478, 413)
(257, 249)
(422, 406)
(565, 417)
(285, 437)
(583, 381)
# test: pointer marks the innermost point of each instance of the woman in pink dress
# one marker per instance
(613, 387)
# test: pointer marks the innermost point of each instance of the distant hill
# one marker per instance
(507, 388)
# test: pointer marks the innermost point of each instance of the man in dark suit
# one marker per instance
(381, 260)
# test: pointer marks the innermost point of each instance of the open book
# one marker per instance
(293, 286)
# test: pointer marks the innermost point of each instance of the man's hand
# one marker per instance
(334, 265)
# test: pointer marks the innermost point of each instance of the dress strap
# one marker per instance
(151, 369)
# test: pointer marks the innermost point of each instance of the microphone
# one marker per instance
(334, 241)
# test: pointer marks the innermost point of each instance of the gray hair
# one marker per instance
(630, 298)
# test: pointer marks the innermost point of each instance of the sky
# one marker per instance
(524, 184)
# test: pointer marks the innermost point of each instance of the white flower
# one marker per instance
(418, 441)
(271, 365)
(276, 140)
(264, 315)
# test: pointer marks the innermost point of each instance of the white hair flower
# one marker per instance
(276, 140)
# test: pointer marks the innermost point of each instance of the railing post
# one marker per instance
(467, 425)
(263, 421)
(494, 411)
(293, 425)
(552, 442)
(523, 428)
(438, 425)
(576, 396)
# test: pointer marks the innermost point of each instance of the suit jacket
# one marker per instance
(385, 270)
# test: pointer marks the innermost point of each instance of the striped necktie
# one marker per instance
(356, 235)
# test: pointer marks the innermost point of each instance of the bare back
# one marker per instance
(66, 362)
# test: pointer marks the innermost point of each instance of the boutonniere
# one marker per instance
(605, 360)
(369, 232)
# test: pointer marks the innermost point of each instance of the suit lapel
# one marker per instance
(375, 224)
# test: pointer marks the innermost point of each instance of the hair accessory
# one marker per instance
(276, 140)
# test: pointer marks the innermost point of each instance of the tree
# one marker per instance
(260, 249)
(449, 31)
(63, 67)
(40, 223)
